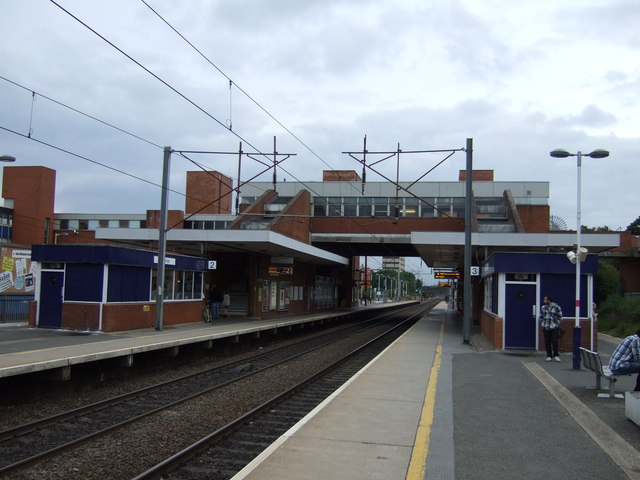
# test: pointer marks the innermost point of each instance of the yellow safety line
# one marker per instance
(418, 464)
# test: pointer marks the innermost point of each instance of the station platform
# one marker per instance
(429, 407)
(433, 407)
(25, 350)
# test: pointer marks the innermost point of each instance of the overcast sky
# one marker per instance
(519, 77)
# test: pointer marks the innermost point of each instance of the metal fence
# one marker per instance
(14, 308)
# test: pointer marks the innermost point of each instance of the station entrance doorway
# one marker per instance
(520, 315)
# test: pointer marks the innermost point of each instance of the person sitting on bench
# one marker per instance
(626, 358)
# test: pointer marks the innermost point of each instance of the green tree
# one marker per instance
(634, 227)
(586, 228)
(607, 281)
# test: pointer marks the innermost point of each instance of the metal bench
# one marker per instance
(592, 361)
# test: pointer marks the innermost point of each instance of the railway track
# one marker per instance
(22, 446)
(222, 454)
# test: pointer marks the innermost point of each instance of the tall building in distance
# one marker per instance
(393, 263)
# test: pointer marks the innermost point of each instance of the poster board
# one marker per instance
(17, 272)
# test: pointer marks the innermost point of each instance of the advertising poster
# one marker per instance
(17, 271)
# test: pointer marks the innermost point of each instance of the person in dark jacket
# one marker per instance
(215, 299)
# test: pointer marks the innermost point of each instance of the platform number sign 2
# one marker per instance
(475, 271)
(212, 264)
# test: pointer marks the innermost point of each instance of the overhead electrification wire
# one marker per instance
(175, 90)
(232, 82)
(164, 82)
(29, 135)
(82, 157)
(57, 102)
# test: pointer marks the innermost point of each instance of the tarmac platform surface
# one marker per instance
(433, 407)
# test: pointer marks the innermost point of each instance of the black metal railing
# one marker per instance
(14, 308)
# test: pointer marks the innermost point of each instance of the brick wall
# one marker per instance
(256, 207)
(492, 327)
(295, 222)
(81, 316)
(477, 175)
(33, 192)
(565, 344)
(385, 225)
(175, 219)
(79, 236)
(132, 316)
(208, 192)
(628, 243)
(629, 271)
(535, 218)
(340, 176)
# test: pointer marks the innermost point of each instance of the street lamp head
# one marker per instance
(7, 158)
(598, 153)
(560, 153)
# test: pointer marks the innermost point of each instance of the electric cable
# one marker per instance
(157, 77)
(183, 95)
(175, 90)
(231, 82)
(57, 102)
(96, 162)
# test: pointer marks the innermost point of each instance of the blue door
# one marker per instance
(51, 300)
(520, 316)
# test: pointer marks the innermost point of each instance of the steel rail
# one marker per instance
(205, 443)
(97, 406)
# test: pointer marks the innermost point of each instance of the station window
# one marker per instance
(444, 206)
(427, 205)
(381, 206)
(320, 207)
(365, 205)
(458, 207)
(350, 207)
(411, 207)
(335, 204)
(178, 285)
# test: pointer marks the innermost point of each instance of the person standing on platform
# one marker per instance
(226, 302)
(625, 359)
(215, 298)
(550, 318)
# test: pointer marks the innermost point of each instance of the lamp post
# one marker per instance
(580, 254)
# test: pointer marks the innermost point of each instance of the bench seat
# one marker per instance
(592, 361)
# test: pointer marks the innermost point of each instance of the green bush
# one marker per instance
(607, 280)
(619, 315)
